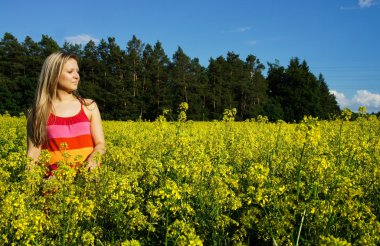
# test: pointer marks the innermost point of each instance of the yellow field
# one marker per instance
(194, 183)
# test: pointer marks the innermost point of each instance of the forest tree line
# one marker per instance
(141, 81)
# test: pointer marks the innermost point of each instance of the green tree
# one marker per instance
(155, 82)
(235, 79)
(215, 73)
(90, 71)
(11, 57)
(328, 104)
(180, 76)
(110, 75)
(197, 91)
(118, 97)
(8, 102)
(14, 82)
(48, 46)
(75, 49)
(296, 89)
(134, 68)
(33, 60)
(253, 92)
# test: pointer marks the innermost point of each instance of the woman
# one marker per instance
(60, 121)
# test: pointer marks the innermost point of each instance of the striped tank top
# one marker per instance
(71, 135)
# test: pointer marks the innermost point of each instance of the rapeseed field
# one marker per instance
(200, 183)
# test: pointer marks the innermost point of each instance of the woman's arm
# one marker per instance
(33, 151)
(97, 137)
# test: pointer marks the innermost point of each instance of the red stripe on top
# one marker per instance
(58, 120)
(71, 143)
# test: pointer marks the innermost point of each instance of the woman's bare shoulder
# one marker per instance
(90, 104)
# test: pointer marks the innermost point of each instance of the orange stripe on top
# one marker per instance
(73, 156)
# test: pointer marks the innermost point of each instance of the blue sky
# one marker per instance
(338, 38)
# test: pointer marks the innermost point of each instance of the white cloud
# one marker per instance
(341, 99)
(81, 39)
(366, 98)
(243, 29)
(237, 30)
(361, 98)
(362, 4)
(349, 7)
(366, 3)
(252, 42)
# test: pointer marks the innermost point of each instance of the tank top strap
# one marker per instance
(82, 113)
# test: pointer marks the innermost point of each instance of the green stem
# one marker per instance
(299, 166)
(339, 143)
(273, 151)
(299, 231)
(167, 228)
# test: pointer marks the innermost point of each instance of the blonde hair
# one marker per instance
(46, 92)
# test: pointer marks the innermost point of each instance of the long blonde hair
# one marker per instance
(46, 92)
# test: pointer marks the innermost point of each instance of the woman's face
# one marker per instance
(69, 78)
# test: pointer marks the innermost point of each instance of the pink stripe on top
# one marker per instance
(68, 131)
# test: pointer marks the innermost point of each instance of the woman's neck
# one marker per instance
(63, 96)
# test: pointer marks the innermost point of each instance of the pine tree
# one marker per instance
(90, 71)
(215, 73)
(14, 81)
(48, 46)
(75, 49)
(328, 102)
(197, 91)
(134, 68)
(156, 88)
(180, 76)
(118, 90)
(298, 91)
(254, 92)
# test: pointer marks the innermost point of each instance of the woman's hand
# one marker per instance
(93, 164)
